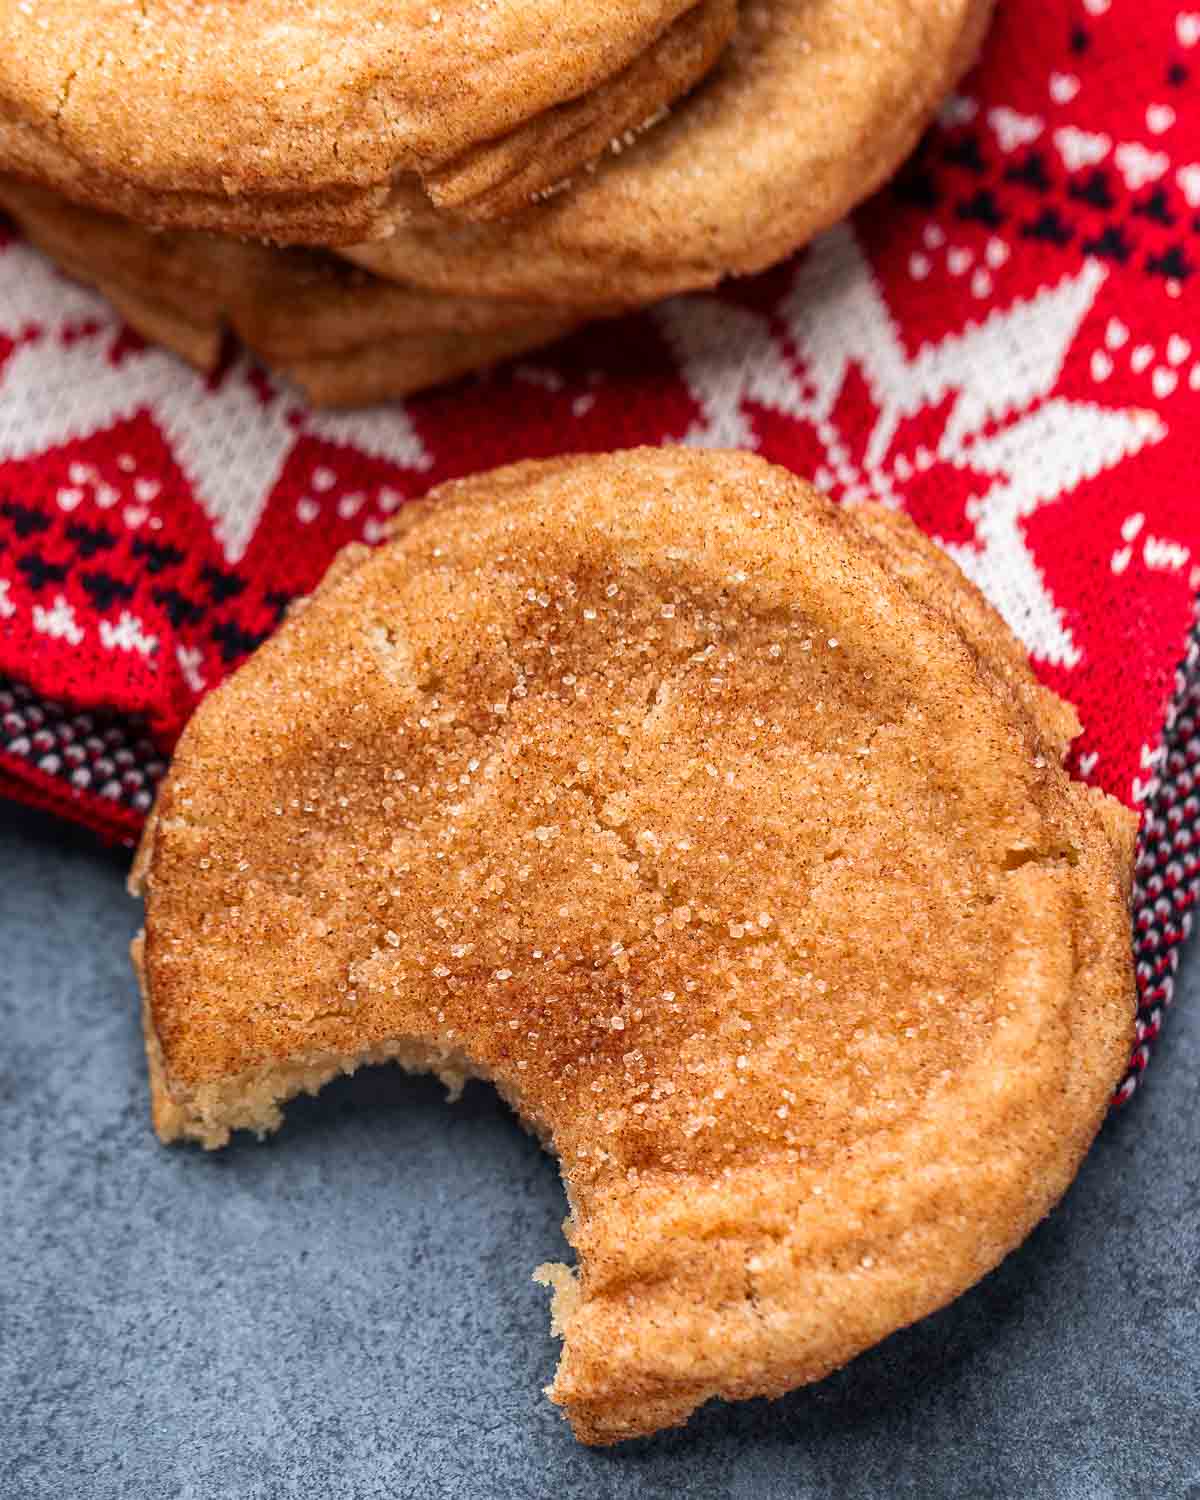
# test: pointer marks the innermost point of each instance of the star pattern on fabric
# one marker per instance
(63, 381)
(976, 410)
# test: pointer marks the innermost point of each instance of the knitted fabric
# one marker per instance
(1005, 342)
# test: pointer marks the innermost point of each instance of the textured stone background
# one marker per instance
(346, 1310)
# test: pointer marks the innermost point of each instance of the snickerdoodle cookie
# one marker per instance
(813, 105)
(728, 834)
(810, 107)
(293, 119)
(344, 336)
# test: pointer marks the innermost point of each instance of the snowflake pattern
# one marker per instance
(1022, 448)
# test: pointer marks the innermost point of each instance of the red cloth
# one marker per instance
(1005, 342)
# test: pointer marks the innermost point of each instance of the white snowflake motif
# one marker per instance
(230, 444)
(191, 660)
(127, 635)
(58, 621)
(1029, 447)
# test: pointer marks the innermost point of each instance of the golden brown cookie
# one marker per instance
(283, 302)
(405, 364)
(808, 112)
(291, 119)
(196, 340)
(358, 375)
(726, 833)
(503, 176)
(812, 106)
(343, 336)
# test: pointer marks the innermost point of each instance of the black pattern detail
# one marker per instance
(1030, 173)
(1048, 226)
(1096, 190)
(1080, 41)
(1155, 207)
(38, 572)
(156, 555)
(1172, 263)
(1177, 74)
(966, 153)
(90, 539)
(104, 756)
(221, 586)
(104, 590)
(236, 642)
(178, 608)
(918, 187)
(1166, 881)
(26, 522)
(1112, 244)
(279, 603)
(982, 209)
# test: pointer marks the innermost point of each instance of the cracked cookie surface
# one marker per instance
(727, 833)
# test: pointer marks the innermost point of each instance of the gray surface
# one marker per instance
(347, 1310)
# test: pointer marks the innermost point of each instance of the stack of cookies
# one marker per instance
(379, 197)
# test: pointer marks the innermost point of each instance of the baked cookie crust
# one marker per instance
(728, 834)
(292, 119)
(813, 105)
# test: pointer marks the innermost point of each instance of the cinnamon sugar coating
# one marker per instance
(293, 119)
(727, 832)
(344, 336)
(813, 105)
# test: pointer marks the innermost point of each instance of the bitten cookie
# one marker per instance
(728, 834)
